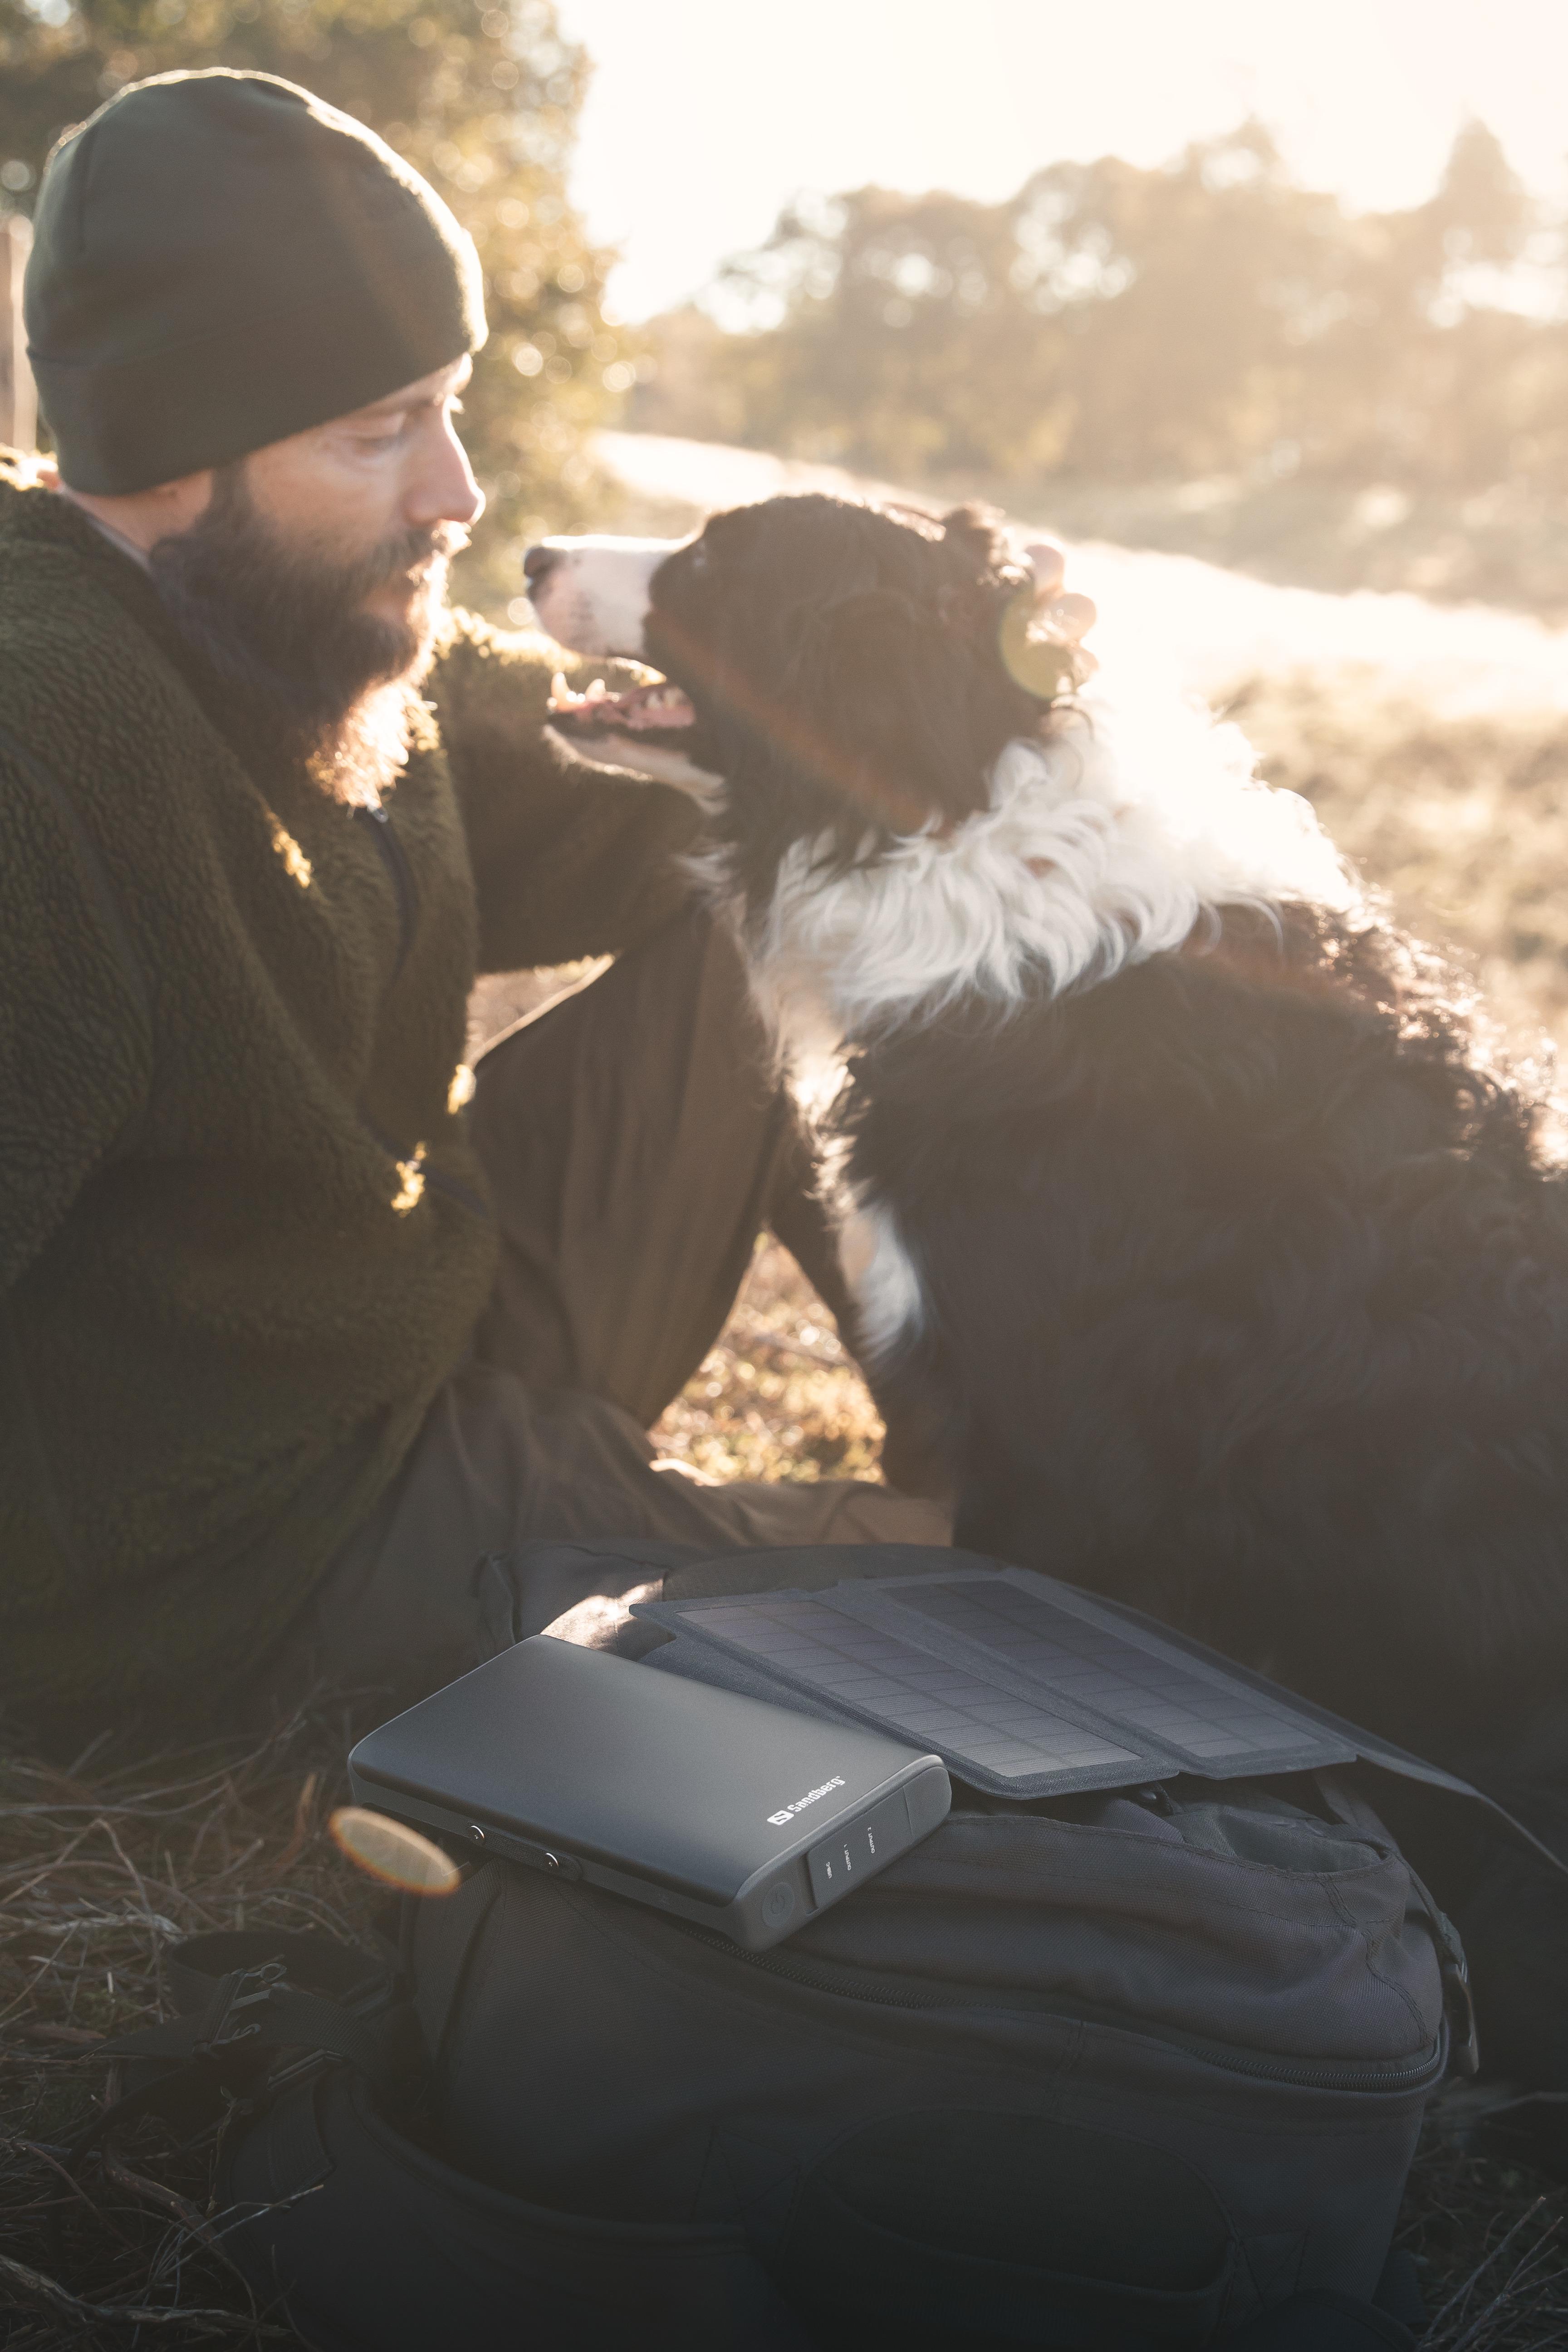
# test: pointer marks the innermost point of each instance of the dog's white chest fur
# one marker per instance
(1105, 842)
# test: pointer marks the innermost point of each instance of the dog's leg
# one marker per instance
(915, 1454)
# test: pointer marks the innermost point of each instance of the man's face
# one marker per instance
(364, 482)
(316, 569)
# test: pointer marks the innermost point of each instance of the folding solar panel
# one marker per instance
(1021, 1685)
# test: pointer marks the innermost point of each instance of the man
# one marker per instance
(295, 1348)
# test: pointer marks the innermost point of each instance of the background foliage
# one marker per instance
(1208, 326)
(482, 98)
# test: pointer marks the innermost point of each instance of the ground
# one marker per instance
(1434, 741)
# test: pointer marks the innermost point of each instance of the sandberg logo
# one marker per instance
(778, 1821)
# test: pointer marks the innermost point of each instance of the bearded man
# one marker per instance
(297, 1347)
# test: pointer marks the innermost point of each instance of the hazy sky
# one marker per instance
(705, 115)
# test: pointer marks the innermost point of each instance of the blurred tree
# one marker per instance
(1206, 319)
(483, 100)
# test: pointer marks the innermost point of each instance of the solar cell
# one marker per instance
(1022, 1685)
(903, 1687)
(1201, 1715)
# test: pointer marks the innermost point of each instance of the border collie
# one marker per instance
(1179, 1190)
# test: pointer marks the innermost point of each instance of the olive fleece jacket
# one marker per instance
(242, 1238)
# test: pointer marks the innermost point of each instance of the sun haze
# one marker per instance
(704, 116)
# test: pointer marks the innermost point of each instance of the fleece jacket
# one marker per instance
(243, 1236)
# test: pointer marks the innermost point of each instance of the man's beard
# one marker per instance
(322, 681)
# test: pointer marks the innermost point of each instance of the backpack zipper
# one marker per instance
(396, 859)
(917, 1993)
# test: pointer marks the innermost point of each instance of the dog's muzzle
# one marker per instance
(592, 594)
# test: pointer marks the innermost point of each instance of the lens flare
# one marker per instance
(1041, 652)
(392, 1852)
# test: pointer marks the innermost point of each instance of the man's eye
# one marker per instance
(380, 440)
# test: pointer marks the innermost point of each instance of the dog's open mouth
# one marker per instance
(653, 709)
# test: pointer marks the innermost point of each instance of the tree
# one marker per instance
(1122, 325)
(483, 100)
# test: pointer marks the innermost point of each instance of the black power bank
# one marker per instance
(747, 1817)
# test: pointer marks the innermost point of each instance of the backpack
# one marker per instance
(1129, 2069)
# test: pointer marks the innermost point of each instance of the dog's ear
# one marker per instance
(976, 534)
(981, 570)
(880, 681)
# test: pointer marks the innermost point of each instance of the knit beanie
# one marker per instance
(219, 260)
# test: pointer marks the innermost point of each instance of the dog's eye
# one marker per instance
(698, 558)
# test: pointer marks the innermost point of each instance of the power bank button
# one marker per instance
(777, 1904)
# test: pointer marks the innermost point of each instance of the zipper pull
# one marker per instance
(1458, 2004)
(1458, 2001)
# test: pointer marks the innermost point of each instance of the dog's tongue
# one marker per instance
(639, 711)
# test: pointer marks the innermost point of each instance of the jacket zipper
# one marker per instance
(893, 1992)
(395, 860)
(436, 1177)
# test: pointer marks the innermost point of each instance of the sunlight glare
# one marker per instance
(703, 117)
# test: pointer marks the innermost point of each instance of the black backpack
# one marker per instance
(1133, 2070)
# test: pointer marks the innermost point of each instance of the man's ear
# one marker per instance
(881, 677)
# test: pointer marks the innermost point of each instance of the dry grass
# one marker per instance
(778, 1398)
(1465, 823)
(101, 1866)
(1463, 820)
(1490, 2246)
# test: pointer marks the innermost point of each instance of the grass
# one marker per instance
(1464, 821)
(101, 1866)
(777, 1398)
(1506, 546)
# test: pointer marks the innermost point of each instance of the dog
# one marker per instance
(1181, 1192)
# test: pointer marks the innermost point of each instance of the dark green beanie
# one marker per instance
(219, 260)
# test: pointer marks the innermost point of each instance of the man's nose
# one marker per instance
(445, 489)
(538, 563)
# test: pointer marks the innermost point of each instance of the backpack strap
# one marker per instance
(241, 1998)
(1459, 2002)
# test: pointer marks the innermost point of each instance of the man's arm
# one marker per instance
(76, 1030)
(569, 860)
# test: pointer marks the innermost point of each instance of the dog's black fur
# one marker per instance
(1247, 1281)
(842, 662)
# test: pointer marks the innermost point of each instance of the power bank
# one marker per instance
(746, 1817)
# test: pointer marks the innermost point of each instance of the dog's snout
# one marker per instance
(592, 594)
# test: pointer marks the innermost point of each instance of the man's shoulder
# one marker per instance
(74, 656)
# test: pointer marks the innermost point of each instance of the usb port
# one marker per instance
(840, 1861)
